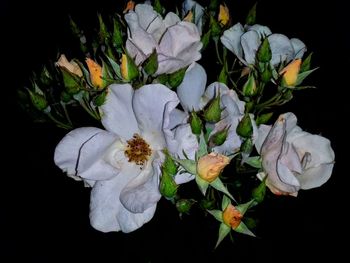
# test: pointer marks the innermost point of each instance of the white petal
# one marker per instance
(117, 112)
(171, 19)
(192, 88)
(147, 16)
(176, 117)
(179, 47)
(287, 177)
(231, 39)
(263, 131)
(149, 103)
(181, 140)
(142, 192)
(106, 211)
(316, 176)
(182, 178)
(281, 48)
(250, 42)
(80, 149)
(142, 41)
(317, 146)
(263, 31)
(299, 47)
(290, 158)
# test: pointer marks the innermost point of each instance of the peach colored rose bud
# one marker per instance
(290, 72)
(71, 66)
(129, 6)
(210, 166)
(231, 216)
(95, 73)
(189, 17)
(224, 15)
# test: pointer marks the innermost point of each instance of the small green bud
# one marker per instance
(196, 123)
(264, 53)
(220, 137)
(158, 7)
(184, 205)
(223, 75)
(263, 118)
(266, 74)
(245, 128)
(150, 65)
(71, 82)
(213, 6)
(162, 79)
(259, 192)
(251, 17)
(169, 165)
(207, 204)
(213, 111)
(249, 106)
(103, 33)
(38, 100)
(175, 79)
(100, 99)
(45, 77)
(247, 146)
(249, 88)
(65, 97)
(167, 186)
(129, 70)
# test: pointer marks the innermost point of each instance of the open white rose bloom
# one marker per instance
(122, 163)
(164, 132)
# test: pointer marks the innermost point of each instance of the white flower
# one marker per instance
(197, 9)
(177, 43)
(122, 163)
(293, 159)
(194, 95)
(245, 43)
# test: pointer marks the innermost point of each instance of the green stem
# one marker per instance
(59, 123)
(217, 51)
(66, 113)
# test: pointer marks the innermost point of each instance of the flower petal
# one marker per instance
(106, 211)
(281, 48)
(250, 42)
(263, 31)
(263, 131)
(179, 47)
(118, 115)
(83, 148)
(299, 47)
(183, 177)
(149, 103)
(315, 176)
(192, 88)
(142, 192)
(231, 39)
(176, 117)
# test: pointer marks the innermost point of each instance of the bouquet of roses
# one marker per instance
(158, 129)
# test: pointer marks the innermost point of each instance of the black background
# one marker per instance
(44, 214)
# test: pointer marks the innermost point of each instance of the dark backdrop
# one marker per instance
(44, 215)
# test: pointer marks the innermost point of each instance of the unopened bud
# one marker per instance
(213, 112)
(196, 123)
(249, 88)
(245, 128)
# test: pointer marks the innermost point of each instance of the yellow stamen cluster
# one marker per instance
(138, 150)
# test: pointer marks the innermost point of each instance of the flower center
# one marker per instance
(138, 150)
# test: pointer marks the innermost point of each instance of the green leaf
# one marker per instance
(189, 165)
(259, 192)
(242, 208)
(263, 118)
(305, 66)
(217, 214)
(224, 230)
(251, 17)
(225, 202)
(254, 161)
(218, 185)
(205, 40)
(303, 75)
(115, 67)
(264, 53)
(175, 79)
(223, 75)
(117, 36)
(100, 99)
(202, 184)
(39, 101)
(150, 65)
(202, 147)
(243, 229)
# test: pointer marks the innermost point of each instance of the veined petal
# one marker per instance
(80, 149)
(106, 211)
(142, 192)
(263, 131)
(299, 47)
(315, 176)
(250, 42)
(281, 48)
(150, 104)
(231, 39)
(192, 88)
(263, 31)
(176, 117)
(146, 16)
(117, 112)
